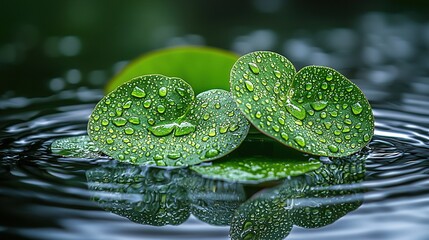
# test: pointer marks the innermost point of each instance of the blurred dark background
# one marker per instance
(50, 45)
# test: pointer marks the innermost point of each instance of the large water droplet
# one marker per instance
(138, 92)
(333, 148)
(184, 128)
(147, 103)
(162, 91)
(329, 77)
(129, 131)
(319, 105)
(300, 141)
(104, 122)
(324, 85)
(357, 108)
(254, 68)
(277, 73)
(308, 86)
(366, 137)
(249, 85)
(180, 91)
(284, 135)
(174, 156)
(212, 132)
(296, 111)
(134, 120)
(119, 121)
(258, 114)
(212, 153)
(160, 108)
(162, 129)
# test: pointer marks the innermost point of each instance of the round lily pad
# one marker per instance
(316, 110)
(256, 169)
(156, 120)
(203, 68)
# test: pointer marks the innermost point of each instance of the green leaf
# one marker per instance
(317, 110)
(256, 169)
(156, 120)
(203, 68)
(141, 194)
(76, 146)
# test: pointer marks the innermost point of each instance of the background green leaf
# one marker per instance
(155, 120)
(256, 169)
(316, 110)
(202, 67)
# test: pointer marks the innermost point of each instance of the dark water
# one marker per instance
(382, 195)
(48, 197)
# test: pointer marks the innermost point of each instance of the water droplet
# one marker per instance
(366, 137)
(258, 59)
(223, 129)
(162, 91)
(180, 91)
(217, 105)
(255, 97)
(254, 68)
(109, 140)
(184, 128)
(319, 105)
(308, 86)
(174, 156)
(296, 111)
(129, 131)
(333, 148)
(150, 121)
(138, 92)
(104, 122)
(349, 88)
(276, 128)
(300, 141)
(258, 114)
(127, 104)
(324, 85)
(212, 153)
(328, 125)
(249, 106)
(119, 121)
(284, 136)
(334, 113)
(233, 128)
(134, 120)
(107, 101)
(206, 116)
(162, 129)
(161, 108)
(357, 108)
(277, 73)
(212, 132)
(158, 157)
(249, 85)
(281, 121)
(147, 103)
(348, 121)
(329, 77)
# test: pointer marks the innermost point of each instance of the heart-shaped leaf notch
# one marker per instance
(156, 120)
(315, 110)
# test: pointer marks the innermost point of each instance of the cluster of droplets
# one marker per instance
(317, 109)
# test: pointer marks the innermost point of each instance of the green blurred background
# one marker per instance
(51, 45)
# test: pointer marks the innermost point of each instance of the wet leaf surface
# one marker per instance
(315, 110)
